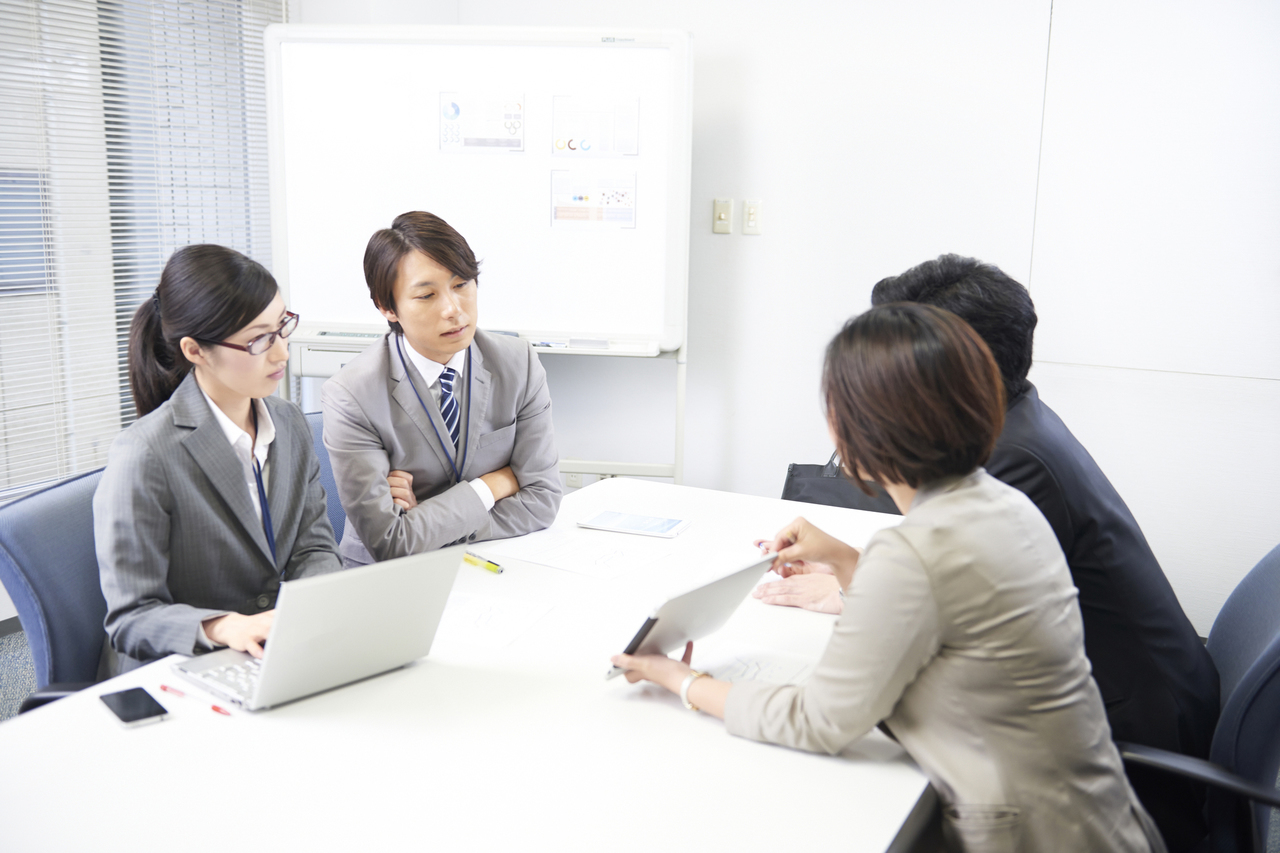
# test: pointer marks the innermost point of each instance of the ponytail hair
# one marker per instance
(206, 292)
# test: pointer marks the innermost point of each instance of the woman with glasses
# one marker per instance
(960, 629)
(212, 497)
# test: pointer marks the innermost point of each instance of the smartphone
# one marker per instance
(645, 525)
(135, 707)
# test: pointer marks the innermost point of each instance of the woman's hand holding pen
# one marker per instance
(240, 632)
(801, 548)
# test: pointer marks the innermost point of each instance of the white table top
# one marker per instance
(492, 742)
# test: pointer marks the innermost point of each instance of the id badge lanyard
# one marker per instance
(267, 598)
(267, 527)
(453, 463)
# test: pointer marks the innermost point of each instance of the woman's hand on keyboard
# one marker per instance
(242, 633)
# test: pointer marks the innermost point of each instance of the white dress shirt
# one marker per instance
(246, 450)
(430, 372)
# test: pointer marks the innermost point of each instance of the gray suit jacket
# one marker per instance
(374, 424)
(177, 537)
(962, 632)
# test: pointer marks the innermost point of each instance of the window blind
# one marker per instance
(128, 128)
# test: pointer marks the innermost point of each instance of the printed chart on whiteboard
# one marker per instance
(590, 200)
(586, 127)
(480, 122)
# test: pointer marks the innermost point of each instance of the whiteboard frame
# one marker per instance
(679, 176)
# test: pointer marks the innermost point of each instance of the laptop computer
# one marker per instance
(334, 629)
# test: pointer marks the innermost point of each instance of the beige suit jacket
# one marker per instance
(961, 631)
(375, 424)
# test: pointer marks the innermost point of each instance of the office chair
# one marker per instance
(1245, 754)
(337, 515)
(50, 569)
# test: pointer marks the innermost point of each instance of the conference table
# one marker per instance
(506, 736)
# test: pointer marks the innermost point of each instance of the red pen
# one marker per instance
(167, 689)
(222, 711)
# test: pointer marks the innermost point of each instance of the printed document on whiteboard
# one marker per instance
(589, 127)
(581, 199)
(486, 123)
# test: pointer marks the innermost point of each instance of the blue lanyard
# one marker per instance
(457, 469)
(267, 527)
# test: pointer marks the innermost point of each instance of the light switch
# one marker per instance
(751, 212)
(722, 216)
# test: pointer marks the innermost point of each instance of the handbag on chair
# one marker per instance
(827, 484)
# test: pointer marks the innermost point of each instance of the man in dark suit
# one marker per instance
(1157, 680)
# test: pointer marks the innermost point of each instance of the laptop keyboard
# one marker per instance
(241, 678)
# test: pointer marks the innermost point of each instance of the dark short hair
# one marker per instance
(206, 292)
(419, 231)
(999, 308)
(913, 395)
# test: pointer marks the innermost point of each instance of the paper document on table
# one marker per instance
(479, 621)
(586, 552)
(773, 669)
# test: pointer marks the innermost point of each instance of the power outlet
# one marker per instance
(752, 213)
(573, 481)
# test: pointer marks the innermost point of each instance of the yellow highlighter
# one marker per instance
(481, 562)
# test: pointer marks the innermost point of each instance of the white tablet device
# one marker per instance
(695, 614)
(645, 525)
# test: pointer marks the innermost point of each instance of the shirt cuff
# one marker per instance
(203, 641)
(485, 493)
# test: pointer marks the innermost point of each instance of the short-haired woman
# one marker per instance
(212, 497)
(960, 627)
(438, 433)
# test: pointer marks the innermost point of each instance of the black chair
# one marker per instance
(337, 515)
(50, 569)
(1244, 757)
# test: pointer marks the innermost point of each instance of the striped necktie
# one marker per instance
(449, 403)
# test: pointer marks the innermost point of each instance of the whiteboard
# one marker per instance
(561, 155)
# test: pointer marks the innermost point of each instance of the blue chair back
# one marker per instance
(337, 515)
(1245, 646)
(50, 569)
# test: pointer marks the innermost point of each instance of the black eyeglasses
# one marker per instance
(262, 343)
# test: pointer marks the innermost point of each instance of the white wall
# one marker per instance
(1156, 271)
(1196, 459)
(881, 134)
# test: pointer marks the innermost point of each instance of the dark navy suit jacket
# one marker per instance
(1157, 680)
